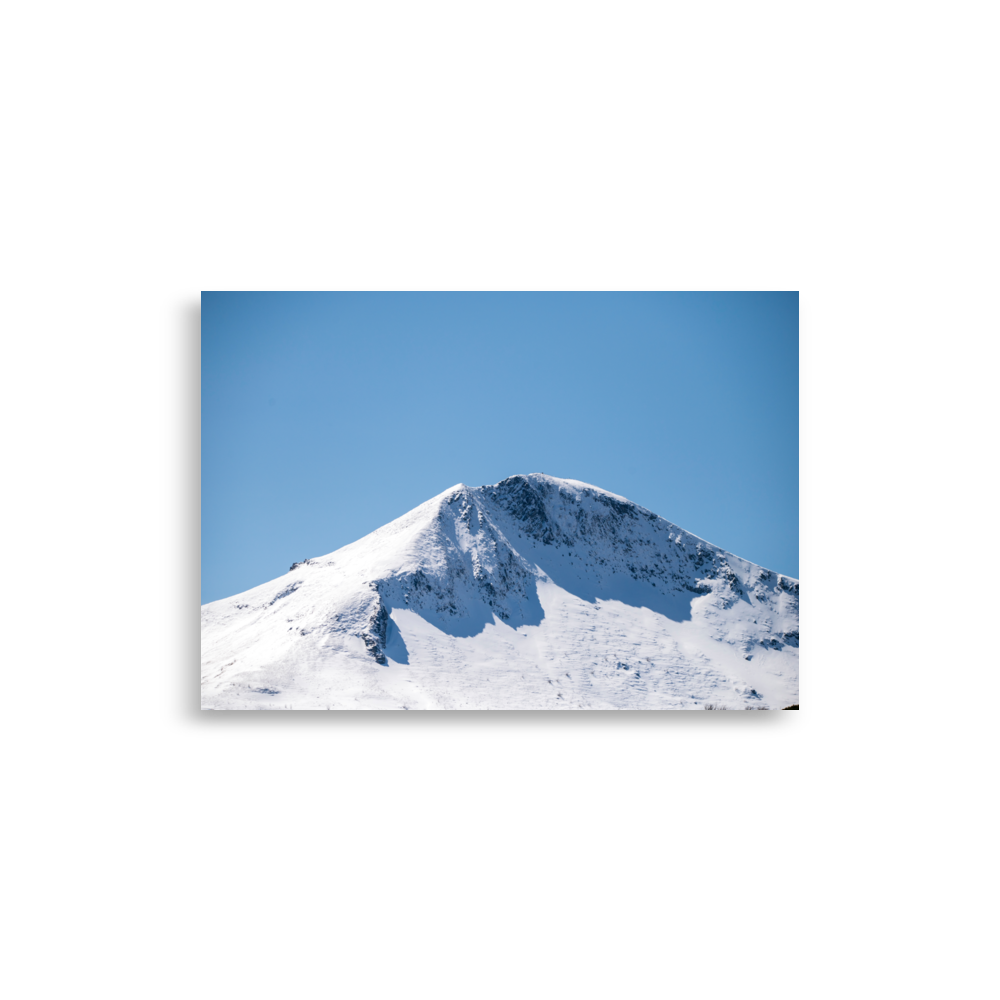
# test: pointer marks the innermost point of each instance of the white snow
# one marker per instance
(534, 593)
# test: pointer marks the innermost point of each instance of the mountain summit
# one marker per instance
(533, 593)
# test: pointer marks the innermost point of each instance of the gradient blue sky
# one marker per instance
(327, 414)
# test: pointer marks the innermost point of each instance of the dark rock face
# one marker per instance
(375, 631)
(527, 503)
(621, 507)
(518, 498)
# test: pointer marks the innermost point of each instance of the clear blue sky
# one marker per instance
(327, 414)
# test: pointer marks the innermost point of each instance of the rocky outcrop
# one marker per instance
(522, 502)
(374, 633)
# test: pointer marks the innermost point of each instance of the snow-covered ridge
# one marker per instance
(483, 597)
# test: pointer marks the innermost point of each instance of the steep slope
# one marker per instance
(532, 593)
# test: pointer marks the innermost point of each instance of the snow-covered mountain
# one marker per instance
(533, 593)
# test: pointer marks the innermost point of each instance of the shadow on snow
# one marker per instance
(557, 565)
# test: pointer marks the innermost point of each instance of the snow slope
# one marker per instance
(532, 593)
